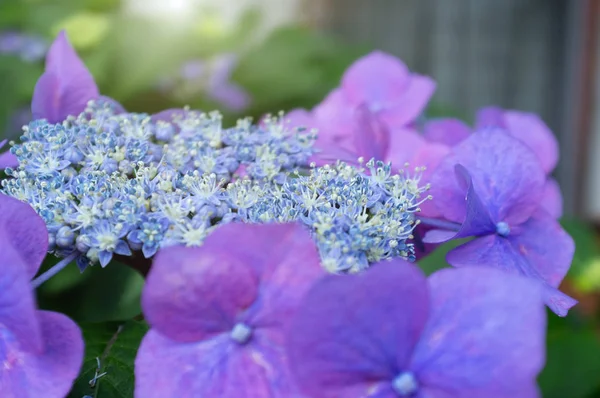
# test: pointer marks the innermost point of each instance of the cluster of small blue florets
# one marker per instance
(111, 184)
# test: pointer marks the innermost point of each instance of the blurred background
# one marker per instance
(251, 57)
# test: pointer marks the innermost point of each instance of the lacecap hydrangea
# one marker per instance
(109, 183)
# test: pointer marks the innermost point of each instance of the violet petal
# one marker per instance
(180, 300)
(552, 200)
(17, 303)
(506, 174)
(52, 373)
(485, 336)
(446, 131)
(66, 86)
(353, 333)
(211, 368)
(26, 232)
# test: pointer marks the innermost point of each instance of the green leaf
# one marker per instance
(437, 259)
(573, 359)
(115, 345)
(99, 294)
(585, 269)
(293, 67)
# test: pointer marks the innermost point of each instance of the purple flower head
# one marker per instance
(493, 185)
(389, 333)
(66, 85)
(218, 313)
(527, 128)
(40, 351)
(447, 131)
(385, 85)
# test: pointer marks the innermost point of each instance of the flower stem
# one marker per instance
(442, 224)
(56, 268)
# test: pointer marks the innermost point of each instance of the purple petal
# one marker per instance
(539, 249)
(168, 115)
(116, 106)
(329, 152)
(526, 127)
(7, 159)
(354, 333)
(449, 132)
(377, 79)
(506, 176)
(300, 118)
(180, 300)
(491, 116)
(27, 232)
(335, 116)
(231, 96)
(17, 304)
(212, 368)
(485, 336)
(412, 103)
(52, 373)
(224, 66)
(272, 251)
(552, 198)
(429, 156)
(403, 147)
(477, 220)
(534, 133)
(371, 137)
(66, 85)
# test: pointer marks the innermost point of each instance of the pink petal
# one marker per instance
(375, 80)
(180, 300)
(412, 103)
(404, 145)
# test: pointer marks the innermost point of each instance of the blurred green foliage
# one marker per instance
(129, 54)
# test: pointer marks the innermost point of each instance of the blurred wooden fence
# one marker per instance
(520, 54)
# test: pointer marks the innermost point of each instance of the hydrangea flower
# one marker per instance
(218, 313)
(358, 216)
(41, 352)
(492, 185)
(390, 332)
(388, 89)
(108, 182)
(370, 114)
